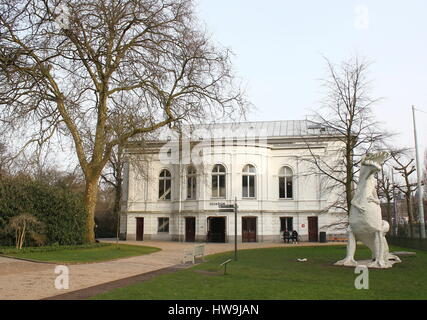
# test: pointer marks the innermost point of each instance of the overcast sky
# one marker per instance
(279, 47)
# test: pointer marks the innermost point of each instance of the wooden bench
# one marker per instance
(191, 255)
(337, 239)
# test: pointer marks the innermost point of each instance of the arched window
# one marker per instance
(248, 181)
(191, 182)
(286, 183)
(165, 185)
(218, 181)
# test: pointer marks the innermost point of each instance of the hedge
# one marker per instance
(61, 211)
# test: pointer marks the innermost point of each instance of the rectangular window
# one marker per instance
(163, 225)
(286, 224)
(248, 186)
(218, 186)
(285, 188)
(191, 188)
(165, 189)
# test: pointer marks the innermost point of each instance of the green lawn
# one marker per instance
(275, 274)
(79, 254)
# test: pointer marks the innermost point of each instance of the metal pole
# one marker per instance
(420, 187)
(179, 180)
(235, 229)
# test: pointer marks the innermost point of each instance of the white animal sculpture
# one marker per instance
(365, 221)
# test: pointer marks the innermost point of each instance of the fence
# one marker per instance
(406, 235)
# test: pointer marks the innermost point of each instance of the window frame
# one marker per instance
(165, 180)
(217, 175)
(248, 172)
(286, 173)
(161, 226)
(191, 183)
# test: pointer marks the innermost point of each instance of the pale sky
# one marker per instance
(279, 47)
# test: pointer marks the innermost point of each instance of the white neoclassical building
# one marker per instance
(175, 183)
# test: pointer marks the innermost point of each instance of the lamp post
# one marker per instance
(235, 228)
(420, 187)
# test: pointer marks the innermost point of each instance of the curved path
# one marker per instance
(30, 280)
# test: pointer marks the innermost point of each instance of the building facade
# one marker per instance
(263, 167)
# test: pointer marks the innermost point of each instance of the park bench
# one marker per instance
(190, 255)
(337, 239)
(224, 264)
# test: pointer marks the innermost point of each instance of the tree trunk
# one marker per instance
(118, 188)
(388, 211)
(117, 205)
(410, 215)
(91, 196)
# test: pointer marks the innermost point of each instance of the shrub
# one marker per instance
(26, 226)
(60, 211)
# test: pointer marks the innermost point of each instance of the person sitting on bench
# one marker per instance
(294, 236)
(286, 236)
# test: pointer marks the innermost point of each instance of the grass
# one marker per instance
(275, 274)
(78, 254)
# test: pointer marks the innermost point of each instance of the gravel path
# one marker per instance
(29, 280)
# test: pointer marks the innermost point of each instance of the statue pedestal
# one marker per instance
(366, 263)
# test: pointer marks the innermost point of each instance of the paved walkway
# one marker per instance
(29, 280)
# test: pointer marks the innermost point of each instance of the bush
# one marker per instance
(61, 211)
(11, 250)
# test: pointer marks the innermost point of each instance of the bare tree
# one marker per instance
(346, 115)
(113, 176)
(385, 190)
(4, 160)
(406, 168)
(385, 183)
(101, 72)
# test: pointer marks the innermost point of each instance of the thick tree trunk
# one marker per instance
(91, 196)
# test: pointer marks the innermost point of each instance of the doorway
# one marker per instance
(249, 229)
(216, 229)
(313, 226)
(139, 229)
(190, 229)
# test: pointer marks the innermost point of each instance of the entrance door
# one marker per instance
(216, 229)
(190, 229)
(313, 234)
(139, 229)
(249, 229)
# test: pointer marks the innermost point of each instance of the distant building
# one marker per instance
(261, 164)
